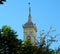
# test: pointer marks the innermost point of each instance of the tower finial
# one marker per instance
(29, 17)
(29, 9)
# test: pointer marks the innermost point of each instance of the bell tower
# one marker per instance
(30, 29)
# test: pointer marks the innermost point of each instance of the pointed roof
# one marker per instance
(29, 23)
(29, 17)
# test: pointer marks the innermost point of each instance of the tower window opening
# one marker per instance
(28, 38)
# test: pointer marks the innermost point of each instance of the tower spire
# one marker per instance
(29, 17)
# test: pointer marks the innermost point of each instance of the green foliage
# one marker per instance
(1, 1)
(57, 51)
(8, 40)
(9, 44)
(5, 30)
(27, 43)
(45, 41)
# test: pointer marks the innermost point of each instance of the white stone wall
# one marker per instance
(30, 32)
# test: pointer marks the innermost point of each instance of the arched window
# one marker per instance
(28, 38)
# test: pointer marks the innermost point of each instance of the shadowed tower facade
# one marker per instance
(30, 29)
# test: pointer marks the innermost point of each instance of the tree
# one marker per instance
(9, 44)
(57, 51)
(1, 1)
(27, 43)
(45, 41)
(28, 48)
(8, 41)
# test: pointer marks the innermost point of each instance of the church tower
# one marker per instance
(30, 29)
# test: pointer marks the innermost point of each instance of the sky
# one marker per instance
(45, 13)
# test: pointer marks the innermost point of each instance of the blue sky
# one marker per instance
(45, 13)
